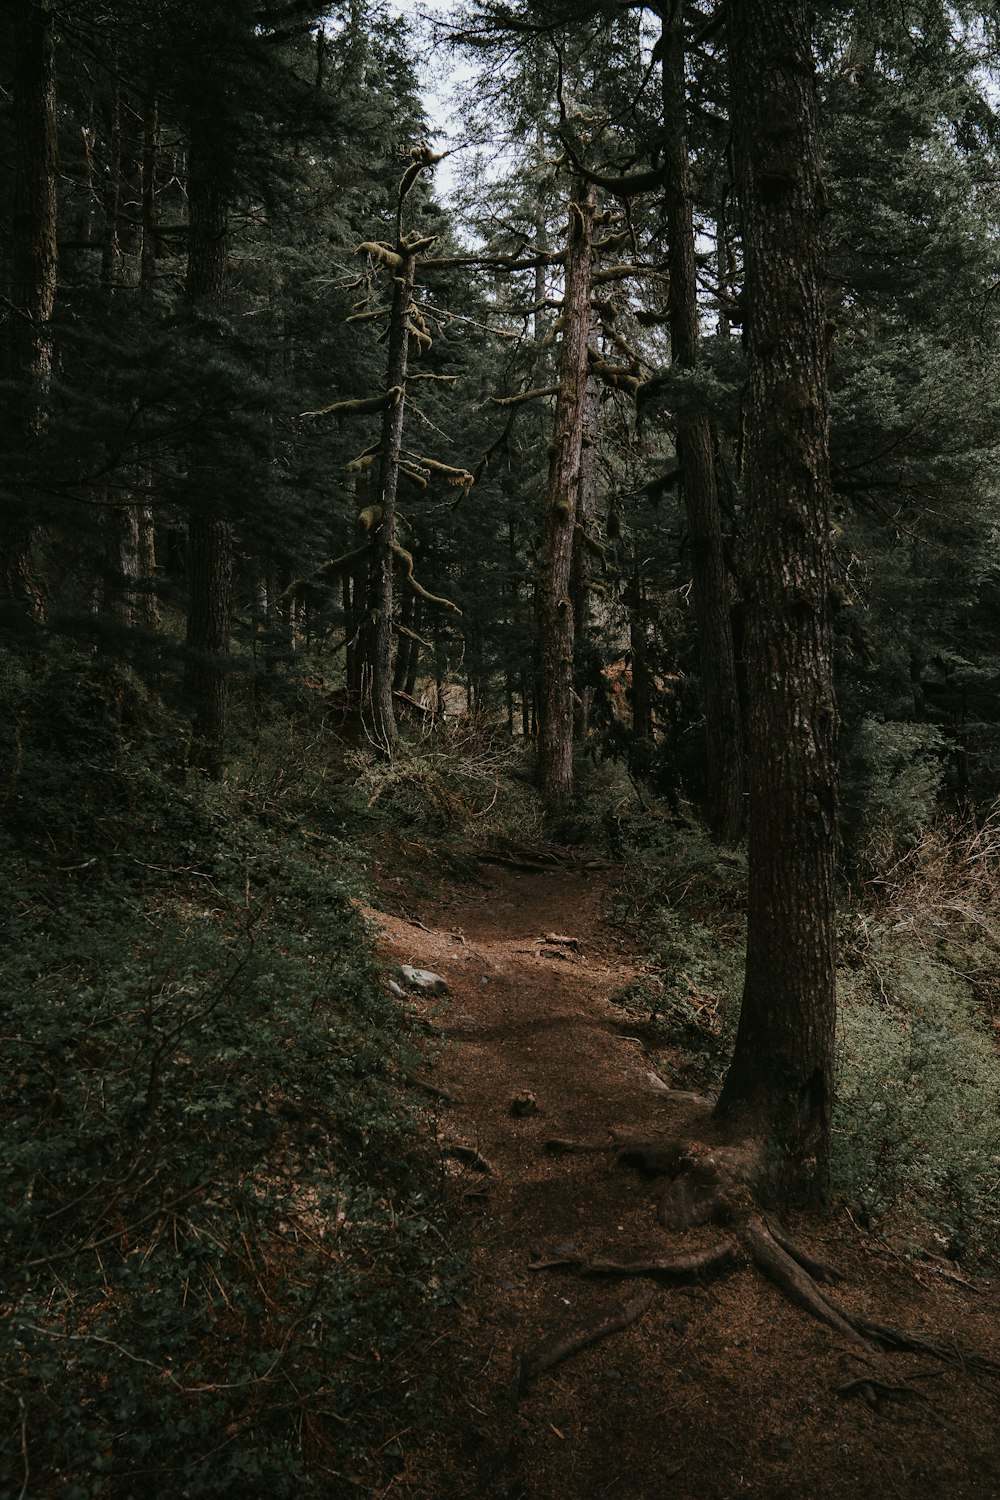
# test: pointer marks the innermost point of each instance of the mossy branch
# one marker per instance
(364, 460)
(368, 519)
(620, 342)
(406, 558)
(621, 273)
(535, 395)
(452, 475)
(419, 333)
(421, 157)
(347, 563)
(413, 474)
(368, 317)
(617, 376)
(612, 241)
(384, 254)
(411, 635)
(361, 407)
(593, 546)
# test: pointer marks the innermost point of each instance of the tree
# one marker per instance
(712, 585)
(556, 616)
(33, 278)
(780, 1081)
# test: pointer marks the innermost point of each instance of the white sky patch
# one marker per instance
(443, 74)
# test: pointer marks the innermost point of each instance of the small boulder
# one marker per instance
(424, 980)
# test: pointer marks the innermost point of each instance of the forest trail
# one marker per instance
(718, 1390)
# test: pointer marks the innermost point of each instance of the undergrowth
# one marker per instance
(223, 1234)
(916, 1146)
(918, 1123)
(681, 898)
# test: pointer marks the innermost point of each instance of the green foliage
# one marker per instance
(221, 1232)
(461, 777)
(917, 1128)
(916, 1134)
(892, 774)
(682, 896)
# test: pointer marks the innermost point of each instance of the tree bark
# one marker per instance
(712, 587)
(580, 579)
(555, 607)
(210, 544)
(383, 563)
(33, 279)
(781, 1076)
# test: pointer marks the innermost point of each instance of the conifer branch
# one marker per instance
(406, 558)
(542, 390)
(377, 250)
(363, 406)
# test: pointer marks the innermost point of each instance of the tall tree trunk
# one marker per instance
(712, 587)
(404, 641)
(580, 580)
(210, 543)
(641, 746)
(413, 655)
(28, 352)
(380, 655)
(781, 1077)
(555, 607)
(123, 547)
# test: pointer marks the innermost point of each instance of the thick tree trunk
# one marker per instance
(712, 587)
(555, 607)
(781, 1077)
(210, 544)
(28, 352)
(381, 633)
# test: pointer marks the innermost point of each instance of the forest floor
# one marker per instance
(717, 1390)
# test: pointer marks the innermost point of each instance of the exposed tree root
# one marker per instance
(789, 1276)
(567, 1148)
(677, 1269)
(561, 1345)
(875, 1392)
(719, 1184)
(818, 1269)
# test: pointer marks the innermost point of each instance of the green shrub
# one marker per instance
(683, 898)
(918, 1123)
(892, 776)
(917, 1131)
(221, 1232)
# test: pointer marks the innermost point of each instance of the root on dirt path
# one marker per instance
(718, 1184)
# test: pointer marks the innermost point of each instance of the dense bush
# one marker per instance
(221, 1234)
(918, 1125)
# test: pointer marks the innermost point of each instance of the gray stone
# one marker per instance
(424, 980)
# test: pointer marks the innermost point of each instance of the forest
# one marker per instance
(512, 490)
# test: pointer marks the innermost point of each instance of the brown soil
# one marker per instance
(718, 1390)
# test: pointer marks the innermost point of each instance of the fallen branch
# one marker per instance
(432, 1088)
(460, 1152)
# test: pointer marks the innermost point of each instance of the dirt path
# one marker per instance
(715, 1391)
